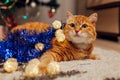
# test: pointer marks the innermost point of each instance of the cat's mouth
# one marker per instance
(81, 35)
(76, 35)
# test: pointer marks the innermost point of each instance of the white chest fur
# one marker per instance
(82, 46)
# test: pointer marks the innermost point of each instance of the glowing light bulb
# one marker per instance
(24, 17)
(53, 10)
(33, 4)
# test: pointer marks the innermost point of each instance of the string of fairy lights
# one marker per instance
(8, 7)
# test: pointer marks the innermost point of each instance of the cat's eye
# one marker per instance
(84, 26)
(72, 25)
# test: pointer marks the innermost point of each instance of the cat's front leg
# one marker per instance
(44, 61)
(48, 64)
(51, 68)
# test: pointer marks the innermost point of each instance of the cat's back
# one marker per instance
(32, 26)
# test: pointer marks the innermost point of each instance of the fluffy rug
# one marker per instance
(107, 68)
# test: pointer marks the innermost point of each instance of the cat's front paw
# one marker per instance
(51, 69)
(94, 57)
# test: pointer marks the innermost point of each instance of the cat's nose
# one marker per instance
(76, 31)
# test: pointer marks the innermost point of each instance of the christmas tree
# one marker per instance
(8, 8)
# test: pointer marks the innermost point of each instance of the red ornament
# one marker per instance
(51, 12)
(10, 21)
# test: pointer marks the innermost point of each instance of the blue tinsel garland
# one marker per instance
(21, 45)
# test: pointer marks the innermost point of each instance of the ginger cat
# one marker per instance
(80, 32)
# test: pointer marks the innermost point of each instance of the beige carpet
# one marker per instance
(107, 68)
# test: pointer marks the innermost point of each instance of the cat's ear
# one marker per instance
(69, 14)
(93, 18)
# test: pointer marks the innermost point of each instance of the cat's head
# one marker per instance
(80, 29)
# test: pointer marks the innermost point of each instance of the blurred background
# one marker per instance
(16, 12)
